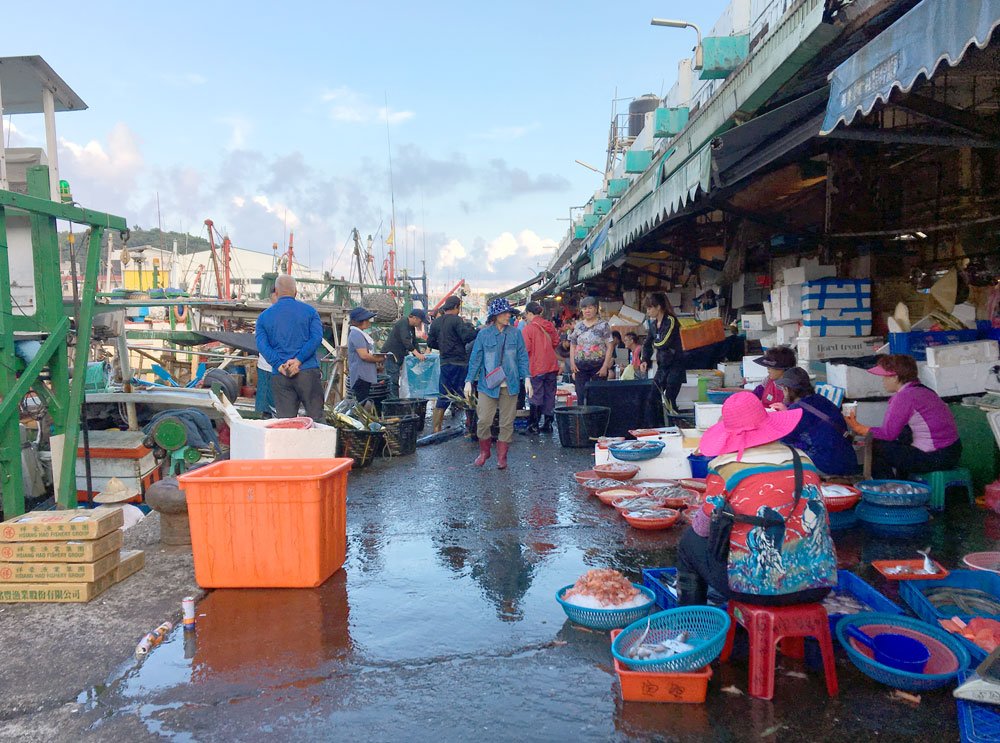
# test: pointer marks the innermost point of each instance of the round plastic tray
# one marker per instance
(878, 498)
(705, 627)
(606, 618)
(892, 515)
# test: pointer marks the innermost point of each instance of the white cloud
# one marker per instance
(14, 137)
(350, 106)
(451, 253)
(526, 244)
(116, 164)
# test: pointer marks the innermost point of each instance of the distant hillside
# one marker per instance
(185, 243)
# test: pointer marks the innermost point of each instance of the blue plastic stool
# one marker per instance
(939, 482)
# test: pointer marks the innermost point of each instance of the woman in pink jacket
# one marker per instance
(541, 339)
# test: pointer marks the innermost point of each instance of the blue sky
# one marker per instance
(252, 113)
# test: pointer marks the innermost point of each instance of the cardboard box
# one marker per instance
(57, 572)
(80, 523)
(629, 313)
(957, 354)
(952, 381)
(857, 383)
(60, 593)
(702, 334)
(810, 270)
(820, 349)
(131, 561)
(70, 551)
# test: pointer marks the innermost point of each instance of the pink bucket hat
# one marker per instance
(745, 424)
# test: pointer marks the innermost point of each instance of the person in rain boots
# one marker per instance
(499, 364)
(450, 334)
(541, 339)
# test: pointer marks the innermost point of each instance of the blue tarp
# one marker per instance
(932, 32)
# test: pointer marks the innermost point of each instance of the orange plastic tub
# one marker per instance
(703, 334)
(642, 686)
(269, 523)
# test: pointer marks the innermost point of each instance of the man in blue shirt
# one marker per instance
(289, 333)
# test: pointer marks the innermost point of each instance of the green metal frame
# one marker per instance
(62, 395)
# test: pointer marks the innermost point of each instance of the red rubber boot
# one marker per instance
(502, 448)
(485, 446)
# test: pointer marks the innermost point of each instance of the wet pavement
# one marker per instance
(443, 626)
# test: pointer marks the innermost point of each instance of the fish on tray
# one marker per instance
(843, 603)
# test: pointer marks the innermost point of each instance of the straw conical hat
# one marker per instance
(115, 492)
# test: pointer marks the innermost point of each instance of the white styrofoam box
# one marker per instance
(627, 313)
(668, 466)
(872, 412)
(840, 294)
(768, 339)
(823, 323)
(687, 396)
(810, 270)
(753, 371)
(956, 354)
(253, 440)
(787, 333)
(949, 381)
(732, 372)
(712, 375)
(786, 304)
(857, 383)
(755, 335)
(753, 321)
(671, 437)
(820, 349)
(769, 313)
(966, 314)
(675, 299)
(709, 314)
(706, 414)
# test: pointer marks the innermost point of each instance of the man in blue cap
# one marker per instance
(402, 340)
(289, 333)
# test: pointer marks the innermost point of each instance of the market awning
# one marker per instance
(747, 148)
(932, 32)
(668, 197)
(527, 284)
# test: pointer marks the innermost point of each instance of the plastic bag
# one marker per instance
(423, 377)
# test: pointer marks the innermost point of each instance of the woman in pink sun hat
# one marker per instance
(779, 549)
(918, 433)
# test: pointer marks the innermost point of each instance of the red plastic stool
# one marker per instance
(766, 625)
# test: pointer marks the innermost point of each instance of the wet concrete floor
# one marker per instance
(443, 626)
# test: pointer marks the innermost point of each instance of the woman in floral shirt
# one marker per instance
(591, 348)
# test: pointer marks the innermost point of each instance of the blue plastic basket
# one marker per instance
(912, 592)
(977, 723)
(892, 515)
(892, 676)
(606, 619)
(706, 629)
(639, 455)
(850, 584)
(876, 498)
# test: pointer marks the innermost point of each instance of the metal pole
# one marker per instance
(111, 242)
(3, 149)
(49, 111)
(84, 428)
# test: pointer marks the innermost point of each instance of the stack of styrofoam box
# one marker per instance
(836, 307)
(786, 299)
(960, 368)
